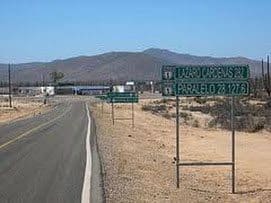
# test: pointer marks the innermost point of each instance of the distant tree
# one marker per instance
(268, 84)
(56, 76)
(266, 80)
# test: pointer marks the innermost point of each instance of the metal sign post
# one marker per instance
(213, 80)
(122, 97)
(113, 119)
(177, 141)
(102, 108)
(133, 116)
(233, 144)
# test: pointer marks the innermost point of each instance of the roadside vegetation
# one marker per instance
(22, 107)
(251, 115)
(133, 157)
(166, 109)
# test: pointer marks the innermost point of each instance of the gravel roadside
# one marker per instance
(138, 163)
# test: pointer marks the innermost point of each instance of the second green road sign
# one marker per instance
(122, 97)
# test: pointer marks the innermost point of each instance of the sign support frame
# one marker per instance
(133, 115)
(173, 78)
(102, 108)
(232, 163)
(132, 118)
(177, 142)
(113, 119)
(233, 142)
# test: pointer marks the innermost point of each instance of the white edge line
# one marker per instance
(85, 196)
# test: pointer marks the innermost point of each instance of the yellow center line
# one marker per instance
(30, 131)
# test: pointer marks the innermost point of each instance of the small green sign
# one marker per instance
(122, 97)
(124, 100)
(122, 94)
(102, 97)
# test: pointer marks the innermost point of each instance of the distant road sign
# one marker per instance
(203, 80)
(122, 94)
(122, 97)
(124, 100)
(102, 97)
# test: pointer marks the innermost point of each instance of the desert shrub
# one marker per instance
(195, 123)
(204, 109)
(173, 115)
(154, 108)
(267, 125)
(185, 115)
(201, 100)
(250, 123)
(146, 108)
(159, 109)
(213, 123)
(168, 115)
(248, 117)
(164, 101)
(268, 104)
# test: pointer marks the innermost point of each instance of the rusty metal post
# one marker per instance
(263, 79)
(112, 105)
(177, 143)
(133, 116)
(268, 78)
(233, 144)
(102, 108)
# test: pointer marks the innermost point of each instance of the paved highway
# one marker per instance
(49, 158)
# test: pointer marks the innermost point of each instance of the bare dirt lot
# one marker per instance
(139, 165)
(21, 108)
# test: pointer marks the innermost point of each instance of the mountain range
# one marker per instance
(116, 66)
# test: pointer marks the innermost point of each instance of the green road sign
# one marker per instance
(124, 100)
(122, 97)
(209, 89)
(197, 73)
(228, 80)
(122, 94)
(102, 97)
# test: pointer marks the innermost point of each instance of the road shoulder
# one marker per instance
(97, 177)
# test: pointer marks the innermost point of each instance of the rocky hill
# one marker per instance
(116, 66)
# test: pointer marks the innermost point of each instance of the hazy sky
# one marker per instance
(44, 30)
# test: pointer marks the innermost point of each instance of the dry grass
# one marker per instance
(22, 108)
(139, 162)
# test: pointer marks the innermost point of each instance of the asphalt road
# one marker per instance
(44, 158)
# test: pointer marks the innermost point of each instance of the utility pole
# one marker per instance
(9, 87)
(268, 77)
(42, 77)
(263, 80)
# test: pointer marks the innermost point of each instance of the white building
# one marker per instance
(49, 90)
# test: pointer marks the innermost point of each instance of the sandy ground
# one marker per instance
(22, 108)
(139, 165)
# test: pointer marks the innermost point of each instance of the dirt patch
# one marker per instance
(22, 108)
(139, 164)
